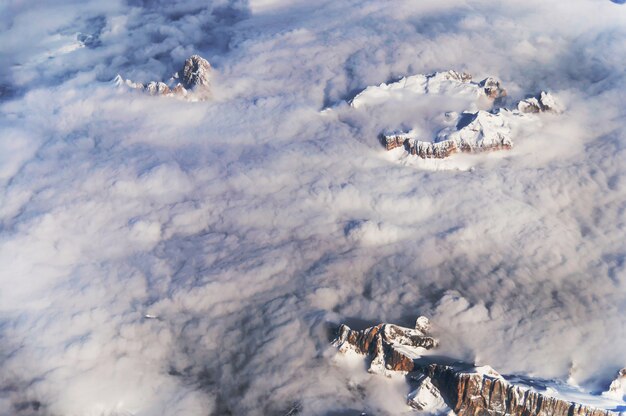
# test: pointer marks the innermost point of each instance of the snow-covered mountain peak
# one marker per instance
(439, 83)
(471, 131)
(617, 389)
(543, 102)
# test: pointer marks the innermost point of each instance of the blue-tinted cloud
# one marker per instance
(163, 257)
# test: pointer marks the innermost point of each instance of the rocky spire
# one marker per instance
(192, 82)
(385, 342)
(196, 73)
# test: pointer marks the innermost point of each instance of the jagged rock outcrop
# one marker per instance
(543, 102)
(196, 73)
(386, 344)
(434, 150)
(395, 140)
(473, 133)
(443, 384)
(617, 389)
(492, 88)
(158, 88)
(474, 392)
(458, 76)
(477, 132)
(192, 82)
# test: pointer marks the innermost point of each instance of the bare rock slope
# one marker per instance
(192, 82)
(443, 384)
(386, 343)
(470, 392)
(474, 132)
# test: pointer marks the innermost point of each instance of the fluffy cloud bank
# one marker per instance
(162, 257)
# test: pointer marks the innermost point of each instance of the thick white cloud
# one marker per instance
(242, 226)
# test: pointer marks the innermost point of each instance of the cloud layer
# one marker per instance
(162, 257)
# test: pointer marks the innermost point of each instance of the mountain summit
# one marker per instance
(192, 82)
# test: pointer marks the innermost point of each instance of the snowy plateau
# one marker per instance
(468, 132)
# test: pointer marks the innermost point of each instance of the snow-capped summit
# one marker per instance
(119, 82)
(438, 83)
(478, 132)
(427, 398)
(617, 389)
(543, 102)
(469, 132)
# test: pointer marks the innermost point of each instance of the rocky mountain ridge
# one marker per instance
(191, 82)
(443, 384)
(385, 344)
(472, 391)
(473, 131)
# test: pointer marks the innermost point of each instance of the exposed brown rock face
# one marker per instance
(430, 150)
(425, 150)
(543, 102)
(393, 141)
(384, 344)
(195, 77)
(493, 89)
(474, 133)
(464, 388)
(196, 72)
(473, 393)
(441, 150)
(470, 392)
